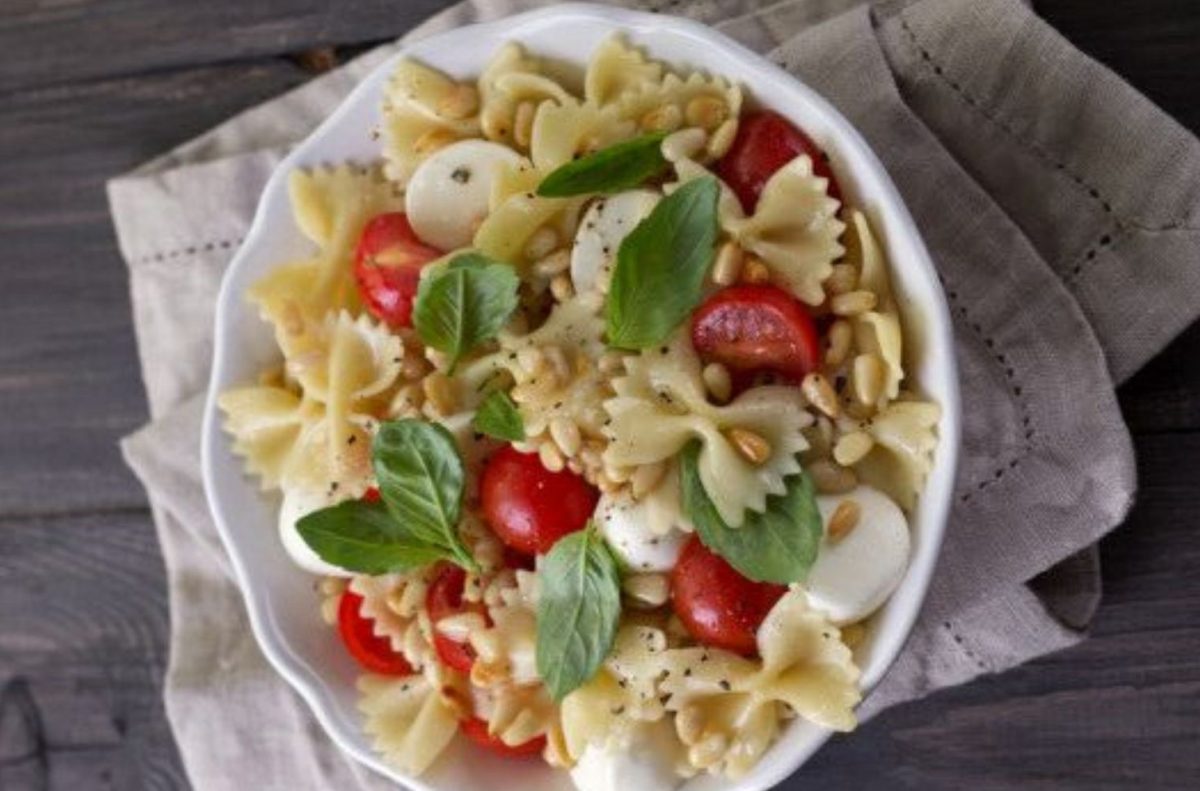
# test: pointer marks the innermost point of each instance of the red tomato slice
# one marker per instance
(757, 328)
(528, 506)
(372, 652)
(765, 142)
(477, 730)
(387, 266)
(445, 598)
(718, 605)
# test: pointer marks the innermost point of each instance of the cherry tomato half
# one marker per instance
(445, 598)
(358, 633)
(718, 605)
(528, 506)
(477, 730)
(387, 266)
(765, 142)
(756, 328)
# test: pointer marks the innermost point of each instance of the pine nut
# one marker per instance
(851, 448)
(852, 303)
(407, 401)
(689, 723)
(553, 264)
(431, 141)
(831, 478)
(709, 751)
(722, 139)
(440, 393)
(329, 609)
(841, 336)
(541, 243)
(556, 358)
(561, 288)
(651, 590)
(617, 473)
(842, 280)
(755, 270)
(566, 435)
(332, 586)
(531, 359)
(612, 363)
(495, 123)
(844, 519)
(523, 124)
(706, 112)
(461, 626)
(718, 382)
(683, 144)
(646, 478)
(664, 119)
(550, 457)
(460, 103)
(819, 392)
(754, 447)
(868, 379)
(728, 266)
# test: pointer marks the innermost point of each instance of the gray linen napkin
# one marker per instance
(1061, 209)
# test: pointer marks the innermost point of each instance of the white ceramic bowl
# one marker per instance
(283, 611)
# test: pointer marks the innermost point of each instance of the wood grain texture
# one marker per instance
(89, 88)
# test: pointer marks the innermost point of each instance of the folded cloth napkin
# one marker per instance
(1061, 208)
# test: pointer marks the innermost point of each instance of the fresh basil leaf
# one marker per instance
(578, 609)
(662, 265)
(779, 545)
(498, 417)
(421, 480)
(464, 304)
(613, 169)
(363, 537)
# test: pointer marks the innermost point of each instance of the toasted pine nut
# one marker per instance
(842, 280)
(709, 750)
(523, 124)
(852, 303)
(646, 478)
(561, 287)
(843, 519)
(664, 119)
(755, 271)
(566, 435)
(431, 141)
(440, 393)
(868, 379)
(651, 590)
(683, 144)
(612, 363)
(554, 264)
(531, 359)
(556, 358)
(460, 102)
(461, 626)
(617, 473)
(689, 723)
(819, 392)
(718, 382)
(407, 401)
(332, 586)
(541, 243)
(831, 478)
(754, 447)
(841, 336)
(706, 112)
(722, 139)
(329, 609)
(496, 123)
(851, 448)
(728, 266)
(550, 457)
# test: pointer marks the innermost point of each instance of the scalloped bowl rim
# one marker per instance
(858, 169)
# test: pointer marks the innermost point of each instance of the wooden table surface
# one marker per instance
(89, 89)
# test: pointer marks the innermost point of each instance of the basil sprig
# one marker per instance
(613, 169)
(464, 303)
(498, 417)
(421, 483)
(662, 265)
(778, 545)
(578, 609)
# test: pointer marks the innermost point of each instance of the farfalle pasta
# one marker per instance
(550, 393)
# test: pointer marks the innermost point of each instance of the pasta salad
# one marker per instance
(592, 419)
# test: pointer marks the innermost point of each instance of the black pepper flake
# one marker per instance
(654, 542)
(725, 685)
(529, 195)
(687, 672)
(478, 436)
(333, 486)
(512, 355)
(558, 404)
(606, 249)
(664, 350)
(623, 683)
(461, 174)
(353, 438)
(665, 699)
(704, 657)
(618, 711)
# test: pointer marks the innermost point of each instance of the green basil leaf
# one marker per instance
(464, 304)
(779, 545)
(363, 537)
(421, 479)
(498, 417)
(613, 169)
(578, 609)
(662, 265)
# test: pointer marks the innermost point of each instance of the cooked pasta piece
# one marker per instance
(877, 331)
(423, 110)
(411, 719)
(905, 438)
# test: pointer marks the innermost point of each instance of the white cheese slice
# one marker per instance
(625, 525)
(856, 573)
(447, 197)
(643, 760)
(604, 226)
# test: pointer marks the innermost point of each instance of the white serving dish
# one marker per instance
(283, 610)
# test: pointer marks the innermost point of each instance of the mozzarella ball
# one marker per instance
(604, 226)
(625, 525)
(297, 504)
(449, 194)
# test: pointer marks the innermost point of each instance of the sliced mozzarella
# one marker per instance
(295, 505)
(856, 573)
(604, 225)
(625, 525)
(448, 194)
(642, 760)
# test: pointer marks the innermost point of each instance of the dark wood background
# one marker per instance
(90, 88)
